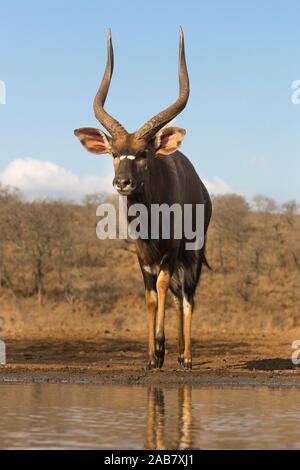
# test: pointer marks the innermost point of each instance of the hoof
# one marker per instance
(152, 365)
(160, 353)
(188, 365)
(180, 360)
(160, 361)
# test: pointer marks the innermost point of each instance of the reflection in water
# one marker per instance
(184, 405)
(156, 419)
(90, 416)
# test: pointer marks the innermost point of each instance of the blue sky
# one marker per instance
(242, 127)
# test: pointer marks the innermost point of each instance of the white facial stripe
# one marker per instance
(131, 157)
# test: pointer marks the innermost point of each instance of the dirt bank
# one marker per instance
(218, 358)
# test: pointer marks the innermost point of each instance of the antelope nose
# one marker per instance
(123, 182)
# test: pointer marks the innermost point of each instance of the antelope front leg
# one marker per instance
(150, 279)
(177, 301)
(151, 302)
(188, 311)
(162, 287)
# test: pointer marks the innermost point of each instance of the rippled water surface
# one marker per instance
(89, 416)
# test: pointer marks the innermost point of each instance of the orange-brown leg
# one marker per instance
(162, 287)
(187, 312)
(150, 278)
(177, 301)
(151, 302)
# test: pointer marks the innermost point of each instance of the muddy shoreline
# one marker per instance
(69, 375)
(237, 359)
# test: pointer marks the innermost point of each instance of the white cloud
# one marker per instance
(37, 178)
(218, 186)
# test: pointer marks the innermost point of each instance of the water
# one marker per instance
(90, 416)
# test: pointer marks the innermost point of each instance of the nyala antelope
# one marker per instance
(149, 170)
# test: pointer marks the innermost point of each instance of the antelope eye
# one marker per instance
(114, 155)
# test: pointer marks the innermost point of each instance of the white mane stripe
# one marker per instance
(131, 157)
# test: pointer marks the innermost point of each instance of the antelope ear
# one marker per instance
(168, 140)
(94, 140)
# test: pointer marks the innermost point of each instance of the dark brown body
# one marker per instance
(167, 263)
(171, 179)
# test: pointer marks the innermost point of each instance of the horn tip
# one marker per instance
(109, 34)
(181, 32)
